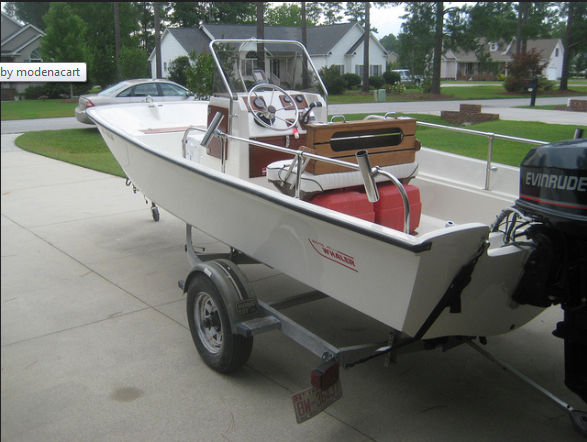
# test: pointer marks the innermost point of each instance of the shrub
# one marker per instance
(427, 85)
(178, 69)
(332, 79)
(200, 75)
(54, 90)
(545, 84)
(133, 63)
(376, 82)
(523, 67)
(514, 84)
(32, 92)
(351, 80)
(336, 86)
(391, 77)
(396, 88)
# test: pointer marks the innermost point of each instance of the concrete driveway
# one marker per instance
(95, 343)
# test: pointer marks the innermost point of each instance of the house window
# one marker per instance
(34, 57)
(164, 67)
(375, 70)
(275, 67)
(493, 46)
(340, 68)
(359, 70)
(249, 63)
(556, 52)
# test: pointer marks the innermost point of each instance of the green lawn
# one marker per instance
(84, 147)
(28, 109)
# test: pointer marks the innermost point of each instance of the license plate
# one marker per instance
(308, 403)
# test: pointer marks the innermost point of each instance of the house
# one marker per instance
(20, 44)
(392, 57)
(463, 65)
(552, 51)
(339, 44)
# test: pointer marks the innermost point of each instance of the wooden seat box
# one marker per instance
(390, 141)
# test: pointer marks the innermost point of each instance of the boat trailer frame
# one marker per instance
(251, 316)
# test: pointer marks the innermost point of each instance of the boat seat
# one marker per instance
(389, 141)
(312, 184)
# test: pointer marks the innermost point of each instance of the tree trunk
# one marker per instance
(305, 79)
(260, 36)
(435, 88)
(157, 39)
(527, 7)
(519, 29)
(116, 39)
(366, 49)
(567, 48)
(521, 40)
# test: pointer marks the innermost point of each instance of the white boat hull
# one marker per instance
(393, 277)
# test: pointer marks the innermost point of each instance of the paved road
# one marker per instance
(504, 107)
(475, 83)
(20, 126)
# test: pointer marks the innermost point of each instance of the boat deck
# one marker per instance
(436, 193)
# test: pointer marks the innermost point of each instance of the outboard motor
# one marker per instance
(553, 195)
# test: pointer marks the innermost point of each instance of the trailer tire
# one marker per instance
(211, 329)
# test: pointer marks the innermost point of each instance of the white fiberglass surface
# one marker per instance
(135, 119)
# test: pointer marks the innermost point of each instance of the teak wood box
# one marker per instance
(400, 133)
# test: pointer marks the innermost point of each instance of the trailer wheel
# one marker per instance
(211, 330)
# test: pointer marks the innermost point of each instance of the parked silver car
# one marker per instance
(407, 77)
(132, 91)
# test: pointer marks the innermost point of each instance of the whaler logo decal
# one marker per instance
(334, 255)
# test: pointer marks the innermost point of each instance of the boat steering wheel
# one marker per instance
(269, 113)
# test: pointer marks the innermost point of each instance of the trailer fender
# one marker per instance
(238, 295)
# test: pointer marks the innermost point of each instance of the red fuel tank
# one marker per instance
(350, 202)
(389, 210)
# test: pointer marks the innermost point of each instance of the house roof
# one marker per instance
(545, 46)
(321, 39)
(191, 39)
(20, 39)
(24, 36)
(498, 55)
(505, 50)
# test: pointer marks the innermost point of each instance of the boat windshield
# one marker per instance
(242, 64)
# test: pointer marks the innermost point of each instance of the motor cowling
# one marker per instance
(553, 184)
(553, 193)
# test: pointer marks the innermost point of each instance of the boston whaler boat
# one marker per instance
(356, 210)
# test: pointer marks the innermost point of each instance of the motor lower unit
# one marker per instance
(553, 194)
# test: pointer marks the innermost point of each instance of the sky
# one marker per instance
(387, 20)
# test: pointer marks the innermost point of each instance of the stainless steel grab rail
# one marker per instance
(491, 135)
(488, 167)
(302, 158)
